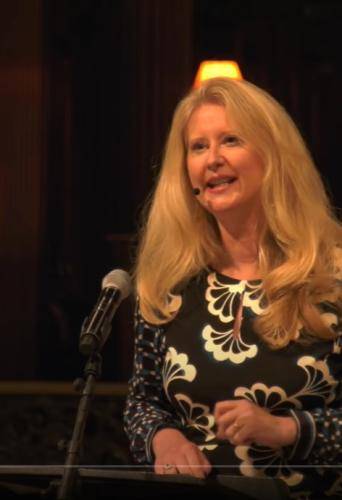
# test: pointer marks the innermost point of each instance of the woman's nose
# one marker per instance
(215, 159)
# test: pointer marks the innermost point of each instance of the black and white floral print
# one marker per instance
(183, 368)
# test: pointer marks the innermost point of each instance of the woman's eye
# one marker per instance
(197, 146)
(231, 140)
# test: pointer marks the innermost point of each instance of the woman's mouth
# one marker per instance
(220, 184)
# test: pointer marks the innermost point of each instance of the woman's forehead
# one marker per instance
(209, 115)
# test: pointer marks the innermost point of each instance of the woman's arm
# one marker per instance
(312, 436)
(319, 437)
(147, 409)
(319, 430)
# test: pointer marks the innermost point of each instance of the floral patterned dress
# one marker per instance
(183, 368)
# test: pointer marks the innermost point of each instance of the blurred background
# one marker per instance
(87, 92)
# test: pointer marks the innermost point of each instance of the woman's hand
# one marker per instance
(176, 454)
(242, 423)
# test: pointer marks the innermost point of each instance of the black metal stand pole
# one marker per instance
(91, 373)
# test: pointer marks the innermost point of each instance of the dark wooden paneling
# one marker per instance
(115, 72)
(21, 182)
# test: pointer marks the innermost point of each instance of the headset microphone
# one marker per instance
(196, 191)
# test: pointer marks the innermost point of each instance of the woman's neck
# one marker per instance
(240, 249)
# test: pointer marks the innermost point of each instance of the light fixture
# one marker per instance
(214, 69)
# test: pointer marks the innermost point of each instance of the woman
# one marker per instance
(238, 347)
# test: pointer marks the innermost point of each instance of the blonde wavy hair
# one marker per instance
(301, 242)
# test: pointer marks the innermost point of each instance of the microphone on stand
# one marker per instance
(196, 191)
(116, 286)
(95, 330)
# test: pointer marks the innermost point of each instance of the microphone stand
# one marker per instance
(92, 371)
(94, 333)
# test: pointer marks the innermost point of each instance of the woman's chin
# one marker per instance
(217, 207)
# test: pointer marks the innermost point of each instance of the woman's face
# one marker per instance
(227, 170)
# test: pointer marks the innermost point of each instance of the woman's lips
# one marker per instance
(222, 186)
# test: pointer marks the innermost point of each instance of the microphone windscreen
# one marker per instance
(196, 191)
(120, 279)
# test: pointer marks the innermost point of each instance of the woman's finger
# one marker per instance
(195, 464)
(170, 469)
(205, 463)
(189, 461)
(224, 406)
(240, 435)
(164, 469)
(226, 420)
(230, 431)
(184, 468)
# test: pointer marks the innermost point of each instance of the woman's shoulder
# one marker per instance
(140, 322)
(143, 322)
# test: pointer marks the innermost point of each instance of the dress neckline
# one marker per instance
(231, 279)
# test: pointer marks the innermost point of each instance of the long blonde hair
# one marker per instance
(297, 254)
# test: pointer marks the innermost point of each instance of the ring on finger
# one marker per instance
(168, 466)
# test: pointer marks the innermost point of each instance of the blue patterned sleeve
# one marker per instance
(319, 439)
(147, 408)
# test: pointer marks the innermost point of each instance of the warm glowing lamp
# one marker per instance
(214, 69)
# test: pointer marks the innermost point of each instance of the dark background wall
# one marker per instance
(87, 91)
